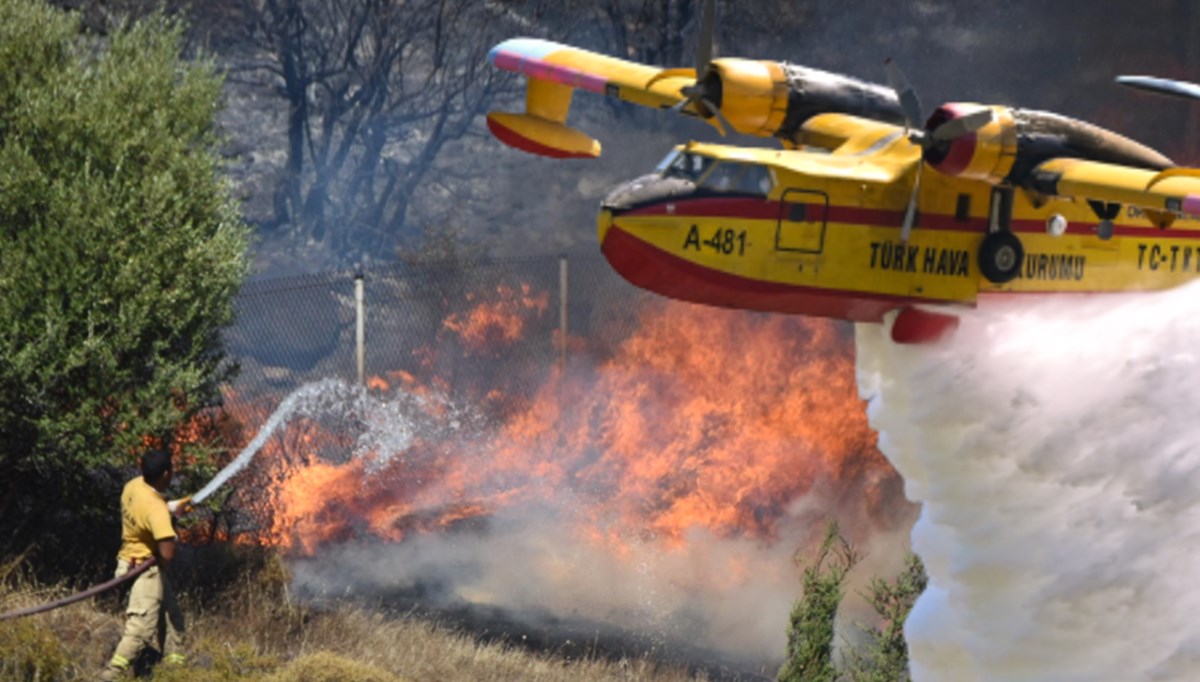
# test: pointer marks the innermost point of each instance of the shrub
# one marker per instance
(811, 626)
(120, 251)
(29, 653)
(883, 657)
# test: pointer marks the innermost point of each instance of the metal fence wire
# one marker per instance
(462, 325)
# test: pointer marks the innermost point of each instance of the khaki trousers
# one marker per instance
(153, 617)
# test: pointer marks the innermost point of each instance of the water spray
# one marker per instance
(1053, 446)
(304, 399)
(307, 399)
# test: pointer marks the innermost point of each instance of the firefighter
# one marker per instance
(153, 612)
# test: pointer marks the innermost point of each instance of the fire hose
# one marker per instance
(79, 596)
(285, 409)
(174, 506)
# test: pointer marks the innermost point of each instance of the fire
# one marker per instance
(700, 419)
(711, 419)
(498, 322)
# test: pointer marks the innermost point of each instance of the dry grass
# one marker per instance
(249, 630)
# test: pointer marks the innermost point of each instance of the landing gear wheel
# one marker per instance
(1000, 257)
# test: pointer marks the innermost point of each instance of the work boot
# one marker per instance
(115, 669)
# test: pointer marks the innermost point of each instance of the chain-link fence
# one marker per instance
(496, 323)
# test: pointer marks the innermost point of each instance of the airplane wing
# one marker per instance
(1162, 195)
(760, 98)
(572, 67)
(555, 71)
(1162, 86)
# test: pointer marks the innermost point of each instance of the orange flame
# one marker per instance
(711, 419)
(499, 322)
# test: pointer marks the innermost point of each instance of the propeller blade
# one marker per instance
(1162, 86)
(704, 42)
(910, 104)
(718, 119)
(910, 213)
(963, 125)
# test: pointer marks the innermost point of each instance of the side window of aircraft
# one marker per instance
(756, 180)
(729, 176)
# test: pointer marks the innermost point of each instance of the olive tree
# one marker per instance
(120, 252)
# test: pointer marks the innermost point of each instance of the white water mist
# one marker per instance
(1055, 449)
(310, 398)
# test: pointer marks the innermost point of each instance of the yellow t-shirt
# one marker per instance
(144, 520)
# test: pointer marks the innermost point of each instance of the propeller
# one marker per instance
(914, 125)
(915, 128)
(704, 95)
(1162, 86)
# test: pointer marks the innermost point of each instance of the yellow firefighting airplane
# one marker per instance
(861, 212)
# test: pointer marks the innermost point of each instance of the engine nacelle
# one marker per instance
(987, 154)
(1017, 140)
(752, 95)
(775, 99)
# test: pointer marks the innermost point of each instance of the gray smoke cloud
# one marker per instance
(557, 559)
(728, 596)
(1054, 447)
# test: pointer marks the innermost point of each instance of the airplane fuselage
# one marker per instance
(826, 239)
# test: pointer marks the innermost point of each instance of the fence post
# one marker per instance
(360, 328)
(562, 311)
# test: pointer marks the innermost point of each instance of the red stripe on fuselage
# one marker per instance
(747, 208)
(649, 267)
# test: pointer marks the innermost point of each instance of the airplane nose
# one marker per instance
(603, 222)
(647, 189)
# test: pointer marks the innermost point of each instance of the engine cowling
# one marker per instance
(767, 98)
(1017, 140)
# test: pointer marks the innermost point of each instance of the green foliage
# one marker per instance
(883, 657)
(120, 252)
(327, 667)
(811, 626)
(30, 653)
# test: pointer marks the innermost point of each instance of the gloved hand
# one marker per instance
(181, 506)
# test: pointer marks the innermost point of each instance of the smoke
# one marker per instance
(428, 511)
(662, 497)
(708, 598)
(1053, 444)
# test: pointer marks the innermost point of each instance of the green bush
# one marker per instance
(120, 251)
(883, 657)
(881, 654)
(811, 626)
(29, 653)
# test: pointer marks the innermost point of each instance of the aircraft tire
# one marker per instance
(1000, 257)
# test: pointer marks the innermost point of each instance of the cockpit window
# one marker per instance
(724, 177)
(667, 161)
(730, 176)
(716, 176)
(685, 165)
